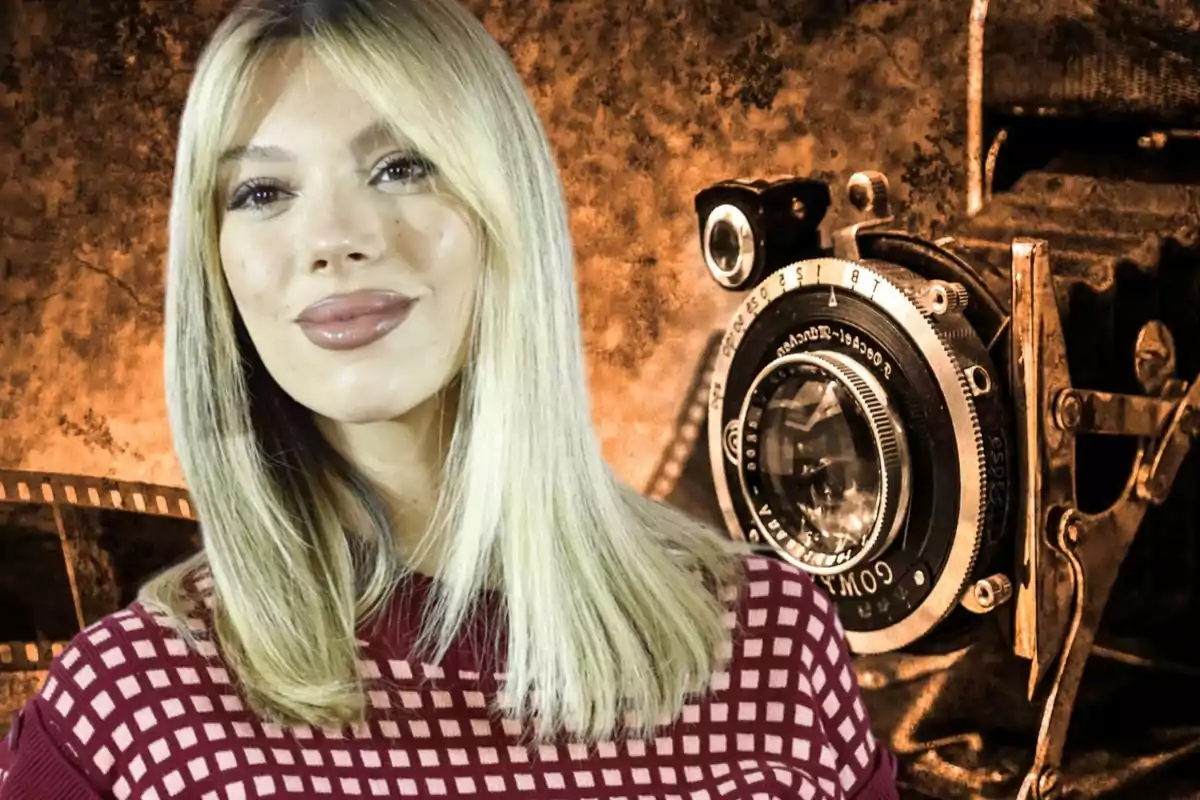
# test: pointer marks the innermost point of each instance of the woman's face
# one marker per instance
(354, 279)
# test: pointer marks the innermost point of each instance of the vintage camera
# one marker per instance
(880, 417)
(970, 430)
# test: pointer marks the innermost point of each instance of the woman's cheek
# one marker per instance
(254, 281)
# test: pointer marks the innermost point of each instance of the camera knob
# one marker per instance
(947, 298)
(868, 192)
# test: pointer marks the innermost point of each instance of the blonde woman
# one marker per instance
(418, 577)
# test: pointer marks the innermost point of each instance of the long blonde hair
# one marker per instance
(612, 601)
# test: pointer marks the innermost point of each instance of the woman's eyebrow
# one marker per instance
(256, 152)
(365, 139)
(372, 135)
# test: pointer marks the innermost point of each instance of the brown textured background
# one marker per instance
(645, 102)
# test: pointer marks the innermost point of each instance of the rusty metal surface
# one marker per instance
(1046, 459)
(1072, 559)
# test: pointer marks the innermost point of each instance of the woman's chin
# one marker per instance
(359, 396)
(357, 412)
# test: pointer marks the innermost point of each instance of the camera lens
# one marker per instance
(818, 458)
(825, 462)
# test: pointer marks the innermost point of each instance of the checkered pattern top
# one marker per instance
(128, 712)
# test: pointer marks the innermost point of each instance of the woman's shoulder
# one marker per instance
(125, 673)
(138, 648)
(790, 652)
(777, 595)
(141, 636)
(784, 620)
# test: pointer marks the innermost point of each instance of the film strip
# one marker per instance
(17, 486)
(29, 656)
(57, 489)
(689, 425)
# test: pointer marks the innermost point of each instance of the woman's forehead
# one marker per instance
(294, 101)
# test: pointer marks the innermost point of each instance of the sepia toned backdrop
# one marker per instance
(645, 102)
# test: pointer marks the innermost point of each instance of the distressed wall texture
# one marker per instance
(646, 103)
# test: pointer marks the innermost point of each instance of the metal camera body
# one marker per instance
(881, 417)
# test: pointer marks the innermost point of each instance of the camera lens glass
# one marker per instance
(724, 245)
(820, 463)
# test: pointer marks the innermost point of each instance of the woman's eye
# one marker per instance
(404, 169)
(255, 196)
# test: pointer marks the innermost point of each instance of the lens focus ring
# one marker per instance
(890, 441)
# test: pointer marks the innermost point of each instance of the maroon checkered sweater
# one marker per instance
(128, 712)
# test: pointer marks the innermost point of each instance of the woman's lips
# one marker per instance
(353, 320)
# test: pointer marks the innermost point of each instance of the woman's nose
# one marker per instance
(341, 233)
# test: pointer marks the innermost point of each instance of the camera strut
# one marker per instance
(1071, 559)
